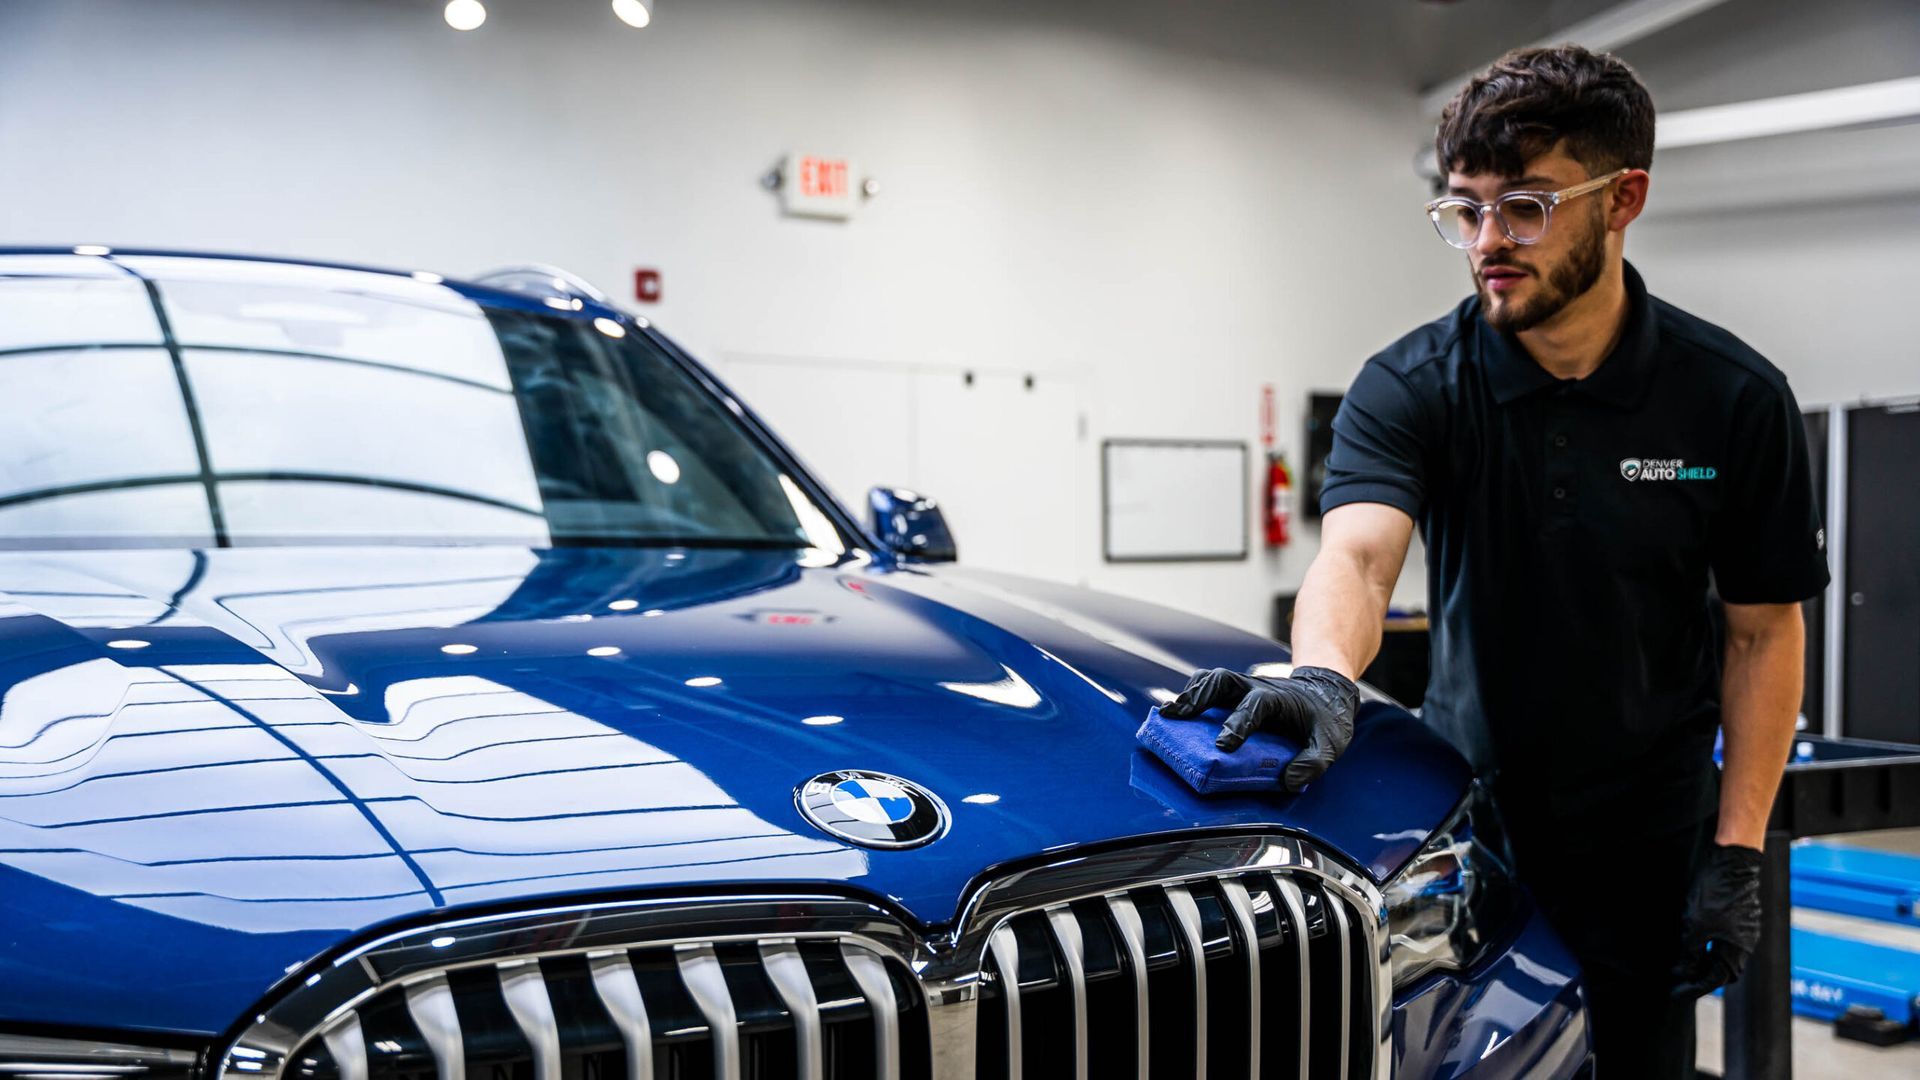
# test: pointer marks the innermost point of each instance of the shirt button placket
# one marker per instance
(1559, 468)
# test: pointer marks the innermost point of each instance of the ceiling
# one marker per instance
(1726, 53)
(1415, 43)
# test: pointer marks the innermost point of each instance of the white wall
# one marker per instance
(1827, 292)
(1155, 230)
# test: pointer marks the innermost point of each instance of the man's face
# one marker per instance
(1523, 285)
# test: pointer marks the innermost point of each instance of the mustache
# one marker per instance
(1501, 264)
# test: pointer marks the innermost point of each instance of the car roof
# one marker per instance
(588, 304)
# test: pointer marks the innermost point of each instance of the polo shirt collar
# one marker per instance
(1621, 379)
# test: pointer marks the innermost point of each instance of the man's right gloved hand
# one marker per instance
(1314, 707)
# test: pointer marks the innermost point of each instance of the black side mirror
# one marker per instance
(910, 525)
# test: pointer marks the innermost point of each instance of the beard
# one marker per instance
(1562, 285)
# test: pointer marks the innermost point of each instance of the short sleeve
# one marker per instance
(1769, 544)
(1381, 444)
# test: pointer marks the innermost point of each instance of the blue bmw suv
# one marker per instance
(411, 679)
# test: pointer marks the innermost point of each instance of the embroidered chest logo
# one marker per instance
(1648, 469)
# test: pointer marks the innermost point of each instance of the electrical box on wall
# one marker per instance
(1320, 412)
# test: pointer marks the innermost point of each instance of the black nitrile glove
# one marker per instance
(1314, 707)
(1723, 921)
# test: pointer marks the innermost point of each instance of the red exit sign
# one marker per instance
(819, 185)
(823, 178)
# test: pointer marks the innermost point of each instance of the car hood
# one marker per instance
(217, 765)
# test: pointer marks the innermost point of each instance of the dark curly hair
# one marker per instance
(1531, 99)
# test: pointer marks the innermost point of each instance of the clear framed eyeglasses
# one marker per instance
(1521, 215)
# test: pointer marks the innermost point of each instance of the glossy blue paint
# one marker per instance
(218, 765)
(1520, 1013)
(315, 741)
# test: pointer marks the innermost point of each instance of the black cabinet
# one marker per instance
(1880, 668)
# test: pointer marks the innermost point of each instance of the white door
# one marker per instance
(1003, 457)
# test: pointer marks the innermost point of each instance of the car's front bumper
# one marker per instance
(1521, 1012)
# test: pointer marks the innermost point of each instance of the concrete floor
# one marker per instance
(1817, 1053)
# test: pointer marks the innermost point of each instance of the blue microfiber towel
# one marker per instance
(1187, 748)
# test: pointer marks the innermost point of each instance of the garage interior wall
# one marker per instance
(1150, 231)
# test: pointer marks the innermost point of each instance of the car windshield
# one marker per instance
(169, 401)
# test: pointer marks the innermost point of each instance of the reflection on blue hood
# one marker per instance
(216, 765)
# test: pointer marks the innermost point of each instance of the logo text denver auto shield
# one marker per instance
(1639, 469)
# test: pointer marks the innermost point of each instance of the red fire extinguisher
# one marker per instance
(1279, 499)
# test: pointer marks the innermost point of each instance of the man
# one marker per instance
(1583, 460)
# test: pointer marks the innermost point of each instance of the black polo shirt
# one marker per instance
(1572, 527)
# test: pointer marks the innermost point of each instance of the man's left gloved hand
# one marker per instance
(1723, 921)
(1314, 707)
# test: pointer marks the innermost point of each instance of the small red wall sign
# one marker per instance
(646, 286)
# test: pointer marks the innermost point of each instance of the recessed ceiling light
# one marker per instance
(92, 249)
(822, 721)
(609, 327)
(457, 649)
(985, 798)
(465, 14)
(633, 13)
(604, 650)
(623, 605)
(128, 643)
(704, 680)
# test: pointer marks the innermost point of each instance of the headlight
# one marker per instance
(30, 1057)
(1453, 896)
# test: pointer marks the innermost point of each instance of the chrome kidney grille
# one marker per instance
(741, 1010)
(1244, 957)
(1251, 975)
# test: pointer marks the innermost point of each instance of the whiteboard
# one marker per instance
(1170, 500)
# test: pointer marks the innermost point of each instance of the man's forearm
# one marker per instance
(1337, 616)
(1760, 689)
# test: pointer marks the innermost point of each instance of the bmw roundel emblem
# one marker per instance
(872, 809)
